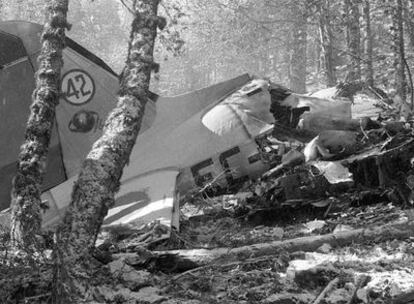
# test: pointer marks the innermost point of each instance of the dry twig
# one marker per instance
(328, 288)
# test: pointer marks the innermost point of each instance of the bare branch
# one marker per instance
(127, 7)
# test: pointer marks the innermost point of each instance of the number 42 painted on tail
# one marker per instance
(78, 87)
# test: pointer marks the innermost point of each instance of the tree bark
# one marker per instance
(369, 77)
(99, 179)
(353, 40)
(326, 37)
(399, 51)
(298, 55)
(26, 218)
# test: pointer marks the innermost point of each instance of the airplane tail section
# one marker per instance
(89, 89)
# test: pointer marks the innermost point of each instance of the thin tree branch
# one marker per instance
(127, 7)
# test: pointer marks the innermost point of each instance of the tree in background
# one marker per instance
(353, 36)
(399, 49)
(326, 40)
(92, 29)
(257, 37)
(24, 10)
(369, 74)
(298, 58)
(26, 201)
(408, 11)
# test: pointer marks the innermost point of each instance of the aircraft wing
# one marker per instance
(143, 199)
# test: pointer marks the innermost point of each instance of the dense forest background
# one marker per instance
(305, 45)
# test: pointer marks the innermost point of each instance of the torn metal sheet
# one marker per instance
(365, 103)
(392, 168)
(334, 172)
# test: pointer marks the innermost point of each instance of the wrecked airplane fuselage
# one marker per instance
(213, 136)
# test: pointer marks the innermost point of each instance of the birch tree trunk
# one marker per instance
(99, 179)
(26, 218)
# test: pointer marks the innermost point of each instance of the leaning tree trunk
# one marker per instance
(353, 40)
(369, 44)
(26, 218)
(297, 72)
(99, 179)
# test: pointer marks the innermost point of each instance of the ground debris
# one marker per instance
(329, 222)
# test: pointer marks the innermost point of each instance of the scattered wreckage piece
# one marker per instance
(309, 113)
(332, 143)
(341, 138)
(296, 183)
(367, 101)
(183, 260)
(392, 168)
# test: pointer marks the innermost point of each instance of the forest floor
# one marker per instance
(379, 270)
